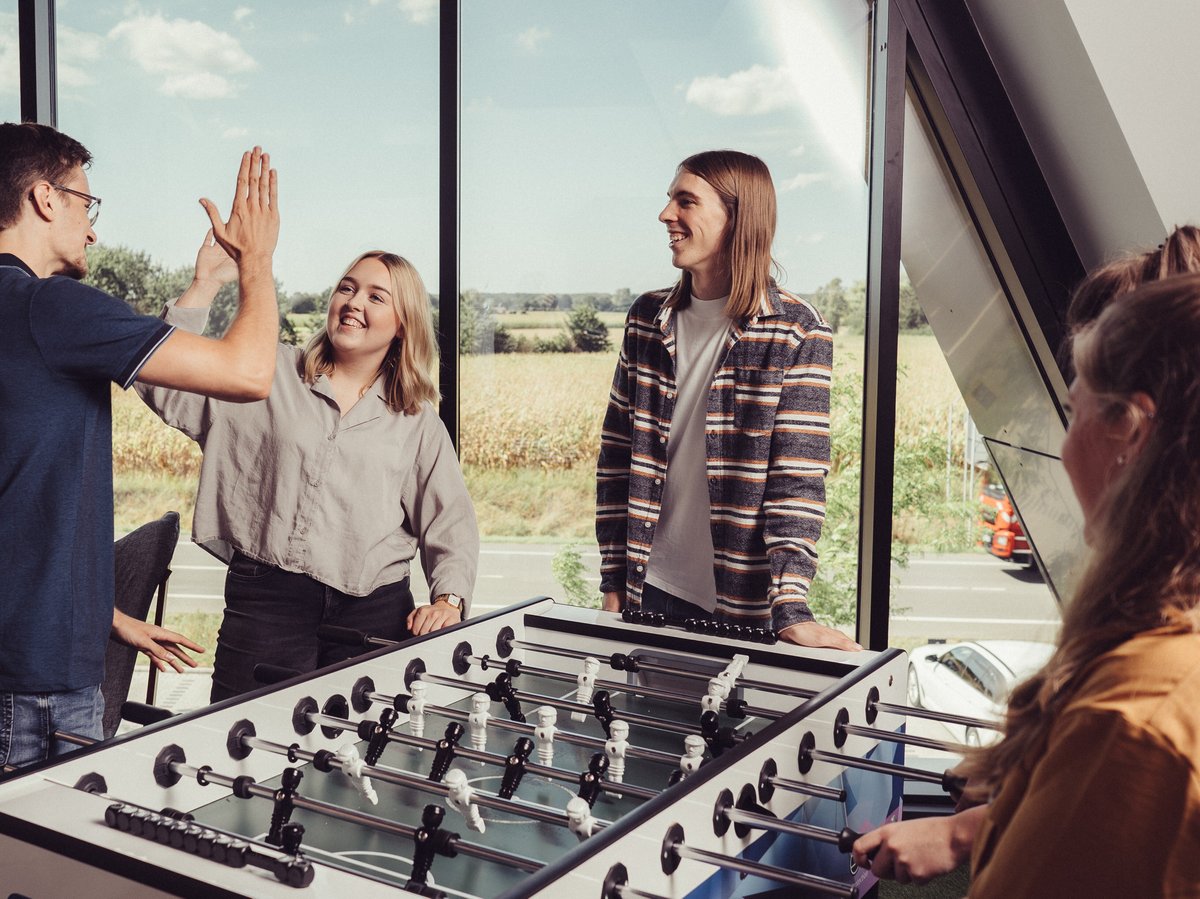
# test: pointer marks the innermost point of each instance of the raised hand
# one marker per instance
(213, 265)
(253, 226)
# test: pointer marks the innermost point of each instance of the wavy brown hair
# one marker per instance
(743, 182)
(410, 366)
(1139, 578)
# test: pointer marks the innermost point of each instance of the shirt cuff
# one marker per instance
(785, 613)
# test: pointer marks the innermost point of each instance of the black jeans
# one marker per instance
(655, 599)
(272, 616)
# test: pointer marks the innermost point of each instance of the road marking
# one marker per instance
(923, 619)
(991, 563)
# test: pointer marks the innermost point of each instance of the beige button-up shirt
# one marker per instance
(348, 501)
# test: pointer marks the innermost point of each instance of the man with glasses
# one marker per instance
(63, 343)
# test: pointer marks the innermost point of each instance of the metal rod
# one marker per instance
(913, 712)
(354, 817)
(654, 667)
(909, 739)
(798, 786)
(850, 761)
(422, 784)
(770, 872)
(478, 755)
(843, 840)
(519, 727)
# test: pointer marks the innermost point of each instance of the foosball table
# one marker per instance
(544, 750)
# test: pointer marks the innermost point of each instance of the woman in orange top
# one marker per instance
(1095, 788)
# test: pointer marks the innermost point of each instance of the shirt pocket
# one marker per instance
(756, 394)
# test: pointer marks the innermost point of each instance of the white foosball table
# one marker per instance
(544, 750)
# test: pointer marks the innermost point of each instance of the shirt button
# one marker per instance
(660, 439)
(641, 568)
(658, 480)
(645, 524)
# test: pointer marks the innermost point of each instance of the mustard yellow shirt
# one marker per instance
(1113, 806)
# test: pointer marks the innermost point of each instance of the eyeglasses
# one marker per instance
(93, 206)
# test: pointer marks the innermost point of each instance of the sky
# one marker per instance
(573, 117)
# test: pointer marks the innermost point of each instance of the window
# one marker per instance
(969, 398)
(344, 97)
(573, 119)
(10, 65)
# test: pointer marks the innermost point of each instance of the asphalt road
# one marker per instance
(972, 596)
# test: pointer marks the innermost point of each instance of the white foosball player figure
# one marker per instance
(615, 749)
(718, 691)
(721, 686)
(543, 734)
(693, 755)
(352, 766)
(462, 799)
(416, 708)
(478, 719)
(586, 685)
(579, 818)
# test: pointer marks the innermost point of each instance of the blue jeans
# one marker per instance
(655, 599)
(272, 616)
(28, 719)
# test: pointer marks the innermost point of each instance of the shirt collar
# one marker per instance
(16, 262)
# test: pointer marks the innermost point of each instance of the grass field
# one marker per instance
(530, 431)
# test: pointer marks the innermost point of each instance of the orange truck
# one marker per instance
(1001, 533)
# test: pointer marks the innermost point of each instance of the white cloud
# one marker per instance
(233, 132)
(753, 91)
(810, 237)
(798, 150)
(419, 12)
(241, 13)
(76, 50)
(193, 59)
(10, 57)
(532, 37)
(803, 180)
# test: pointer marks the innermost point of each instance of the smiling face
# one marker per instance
(72, 233)
(697, 224)
(362, 320)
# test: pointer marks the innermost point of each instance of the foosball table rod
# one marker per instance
(674, 849)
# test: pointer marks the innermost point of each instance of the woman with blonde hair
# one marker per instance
(1094, 789)
(320, 496)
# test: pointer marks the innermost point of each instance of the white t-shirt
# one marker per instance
(681, 560)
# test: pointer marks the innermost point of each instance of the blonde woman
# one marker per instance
(320, 496)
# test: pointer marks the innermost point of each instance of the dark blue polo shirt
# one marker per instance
(61, 345)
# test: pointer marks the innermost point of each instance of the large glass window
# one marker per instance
(10, 65)
(574, 117)
(972, 607)
(345, 98)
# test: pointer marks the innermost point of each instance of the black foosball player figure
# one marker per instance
(721, 378)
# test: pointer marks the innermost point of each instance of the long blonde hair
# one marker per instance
(1137, 578)
(410, 366)
(743, 182)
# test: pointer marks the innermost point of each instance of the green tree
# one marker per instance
(622, 299)
(132, 276)
(588, 333)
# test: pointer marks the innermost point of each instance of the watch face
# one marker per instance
(453, 600)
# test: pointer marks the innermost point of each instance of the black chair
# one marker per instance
(142, 567)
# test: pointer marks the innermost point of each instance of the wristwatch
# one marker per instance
(452, 599)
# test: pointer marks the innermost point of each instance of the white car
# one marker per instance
(972, 679)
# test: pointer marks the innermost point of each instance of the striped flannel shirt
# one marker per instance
(767, 446)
